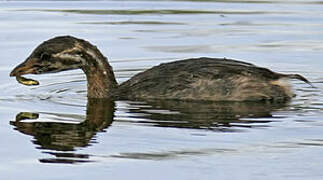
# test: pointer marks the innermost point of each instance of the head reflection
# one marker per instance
(67, 136)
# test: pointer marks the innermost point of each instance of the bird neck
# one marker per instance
(101, 82)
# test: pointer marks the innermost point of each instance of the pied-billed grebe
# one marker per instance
(206, 79)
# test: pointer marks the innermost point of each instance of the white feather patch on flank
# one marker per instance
(284, 83)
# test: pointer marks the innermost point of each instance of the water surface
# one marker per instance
(53, 131)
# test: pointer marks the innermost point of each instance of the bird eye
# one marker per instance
(44, 56)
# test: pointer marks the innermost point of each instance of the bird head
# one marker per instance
(54, 55)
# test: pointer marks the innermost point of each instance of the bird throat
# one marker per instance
(101, 82)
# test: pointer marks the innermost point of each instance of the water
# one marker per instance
(53, 132)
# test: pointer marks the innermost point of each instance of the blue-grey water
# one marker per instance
(52, 131)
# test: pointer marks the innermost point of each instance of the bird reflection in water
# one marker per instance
(216, 116)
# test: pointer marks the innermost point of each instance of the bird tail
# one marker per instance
(298, 77)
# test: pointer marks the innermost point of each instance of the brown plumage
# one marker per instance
(204, 79)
